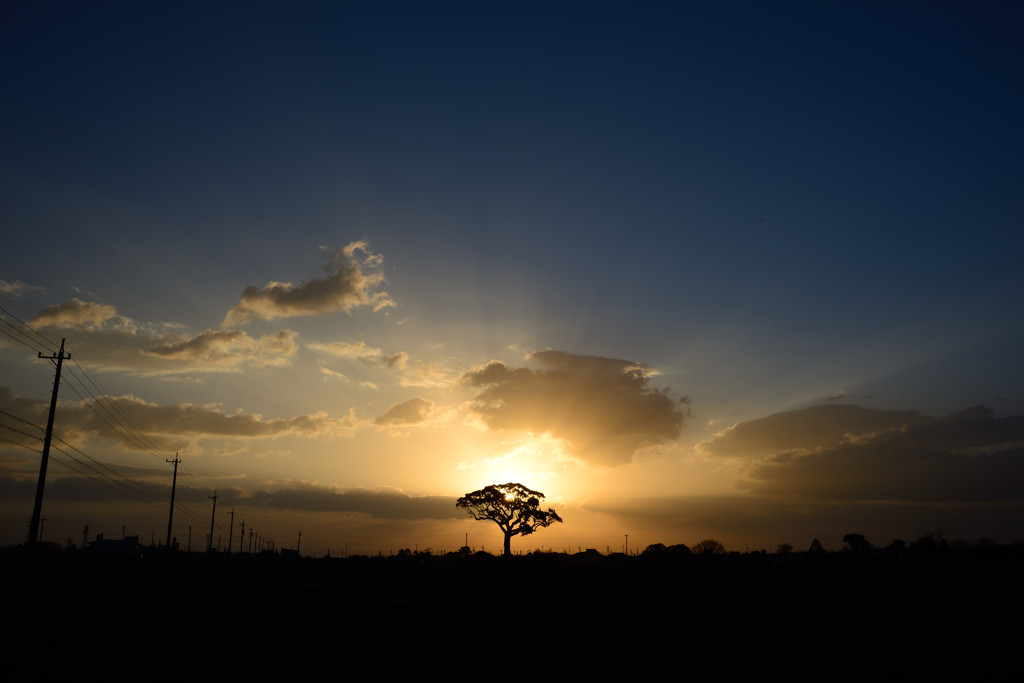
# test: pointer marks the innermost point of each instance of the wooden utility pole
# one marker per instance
(209, 545)
(33, 530)
(231, 530)
(174, 485)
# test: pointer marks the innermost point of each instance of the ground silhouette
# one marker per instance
(932, 610)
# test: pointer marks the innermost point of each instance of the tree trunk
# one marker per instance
(508, 545)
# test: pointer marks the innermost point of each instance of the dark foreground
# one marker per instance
(227, 618)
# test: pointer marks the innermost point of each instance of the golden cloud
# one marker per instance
(223, 350)
(603, 408)
(75, 313)
(351, 280)
(411, 412)
(364, 353)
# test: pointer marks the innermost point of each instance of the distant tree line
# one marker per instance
(932, 548)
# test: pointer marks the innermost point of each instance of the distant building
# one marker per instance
(129, 545)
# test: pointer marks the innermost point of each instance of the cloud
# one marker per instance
(852, 453)
(379, 503)
(97, 419)
(75, 313)
(806, 429)
(114, 342)
(418, 374)
(413, 411)
(364, 353)
(603, 408)
(226, 350)
(190, 418)
(15, 289)
(351, 279)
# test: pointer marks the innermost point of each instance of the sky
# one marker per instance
(741, 270)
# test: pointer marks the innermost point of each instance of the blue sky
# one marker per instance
(770, 207)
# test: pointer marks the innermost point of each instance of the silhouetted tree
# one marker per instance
(784, 548)
(816, 547)
(513, 507)
(856, 543)
(709, 546)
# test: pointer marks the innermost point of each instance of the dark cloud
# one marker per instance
(807, 429)
(384, 503)
(379, 503)
(351, 280)
(409, 412)
(893, 472)
(605, 409)
(852, 453)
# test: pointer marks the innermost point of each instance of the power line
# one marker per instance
(37, 338)
(103, 406)
(111, 414)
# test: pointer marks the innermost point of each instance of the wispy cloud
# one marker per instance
(605, 409)
(17, 288)
(352, 280)
(410, 373)
(364, 353)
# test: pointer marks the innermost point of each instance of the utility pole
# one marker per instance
(241, 538)
(231, 530)
(37, 509)
(174, 485)
(209, 545)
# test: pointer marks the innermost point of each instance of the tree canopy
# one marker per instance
(513, 507)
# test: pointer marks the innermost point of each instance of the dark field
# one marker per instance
(241, 619)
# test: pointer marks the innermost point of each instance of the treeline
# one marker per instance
(856, 549)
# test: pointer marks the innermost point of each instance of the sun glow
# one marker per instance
(526, 461)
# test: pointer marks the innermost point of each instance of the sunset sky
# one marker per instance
(741, 270)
